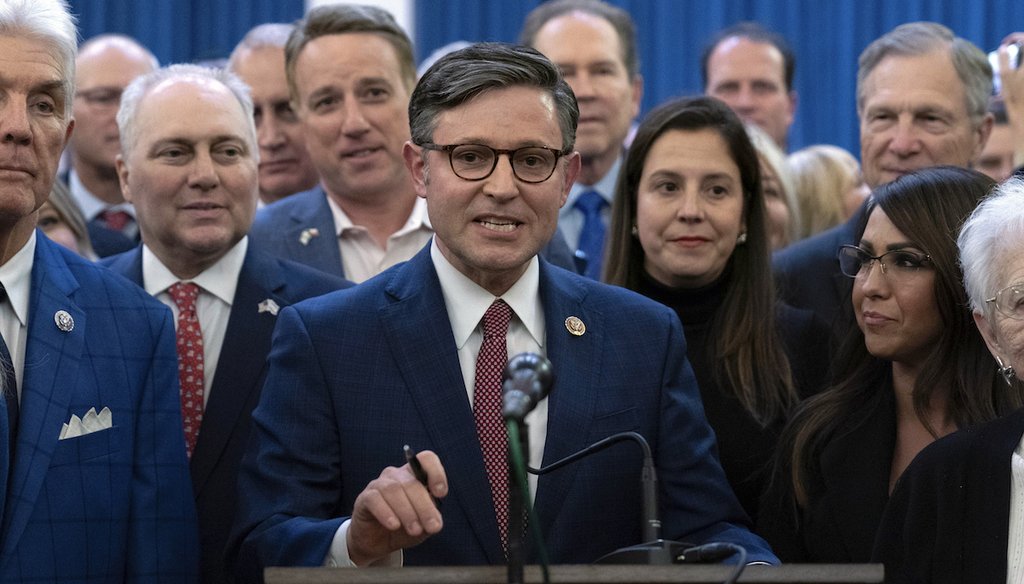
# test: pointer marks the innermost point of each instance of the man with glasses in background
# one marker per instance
(106, 64)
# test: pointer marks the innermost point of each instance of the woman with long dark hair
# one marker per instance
(914, 369)
(689, 230)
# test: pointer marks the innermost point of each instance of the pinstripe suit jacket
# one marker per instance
(113, 505)
(328, 423)
(236, 385)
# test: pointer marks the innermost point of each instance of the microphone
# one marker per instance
(654, 550)
(648, 479)
(526, 380)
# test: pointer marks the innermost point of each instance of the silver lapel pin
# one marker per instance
(308, 234)
(268, 305)
(64, 321)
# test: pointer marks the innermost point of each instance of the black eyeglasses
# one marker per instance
(854, 262)
(530, 164)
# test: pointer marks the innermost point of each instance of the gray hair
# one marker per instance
(137, 90)
(48, 21)
(123, 42)
(920, 38)
(462, 75)
(994, 229)
(620, 20)
(348, 18)
(272, 34)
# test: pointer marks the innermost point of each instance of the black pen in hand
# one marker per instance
(418, 472)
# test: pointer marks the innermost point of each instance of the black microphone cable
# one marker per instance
(715, 552)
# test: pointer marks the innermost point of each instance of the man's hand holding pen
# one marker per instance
(397, 509)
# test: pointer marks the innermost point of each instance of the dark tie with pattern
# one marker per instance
(10, 389)
(115, 220)
(190, 360)
(487, 408)
(591, 247)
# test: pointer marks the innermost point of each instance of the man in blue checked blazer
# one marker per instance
(324, 480)
(95, 481)
(188, 165)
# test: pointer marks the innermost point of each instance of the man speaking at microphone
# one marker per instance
(415, 356)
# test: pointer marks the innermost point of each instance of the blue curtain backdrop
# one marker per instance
(827, 36)
(180, 31)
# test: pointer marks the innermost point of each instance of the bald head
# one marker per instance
(105, 66)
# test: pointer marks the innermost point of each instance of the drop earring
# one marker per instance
(1006, 371)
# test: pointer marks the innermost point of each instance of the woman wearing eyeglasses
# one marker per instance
(913, 370)
(957, 514)
(689, 230)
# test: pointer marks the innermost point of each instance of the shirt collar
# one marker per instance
(467, 302)
(220, 279)
(604, 187)
(16, 277)
(91, 205)
(418, 218)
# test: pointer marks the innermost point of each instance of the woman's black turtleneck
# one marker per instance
(745, 447)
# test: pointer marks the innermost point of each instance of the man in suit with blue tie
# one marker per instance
(190, 168)
(491, 153)
(93, 468)
(593, 43)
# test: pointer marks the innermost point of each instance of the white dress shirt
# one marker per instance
(1015, 543)
(466, 303)
(570, 219)
(217, 285)
(362, 258)
(16, 276)
(90, 205)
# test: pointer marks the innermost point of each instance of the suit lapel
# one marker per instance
(242, 361)
(129, 265)
(417, 327)
(310, 235)
(576, 363)
(52, 359)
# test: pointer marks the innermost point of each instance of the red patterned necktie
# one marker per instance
(487, 408)
(190, 360)
(115, 220)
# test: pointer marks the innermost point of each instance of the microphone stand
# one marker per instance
(655, 551)
(516, 504)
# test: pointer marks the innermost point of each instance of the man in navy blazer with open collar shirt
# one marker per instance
(312, 489)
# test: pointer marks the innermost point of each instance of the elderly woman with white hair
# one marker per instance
(957, 514)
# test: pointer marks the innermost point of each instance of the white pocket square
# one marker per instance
(87, 424)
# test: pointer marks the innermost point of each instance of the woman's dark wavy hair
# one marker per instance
(929, 207)
(753, 365)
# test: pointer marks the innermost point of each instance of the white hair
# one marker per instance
(272, 34)
(994, 230)
(142, 85)
(48, 21)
